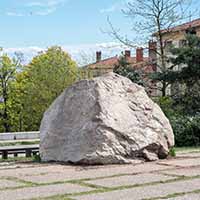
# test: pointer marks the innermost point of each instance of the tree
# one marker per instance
(124, 68)
(44, 79)
(152, 17)
(17, 110)
(188, 75)
(8, 70)
(188, 57)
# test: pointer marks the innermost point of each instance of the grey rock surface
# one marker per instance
(106, 120)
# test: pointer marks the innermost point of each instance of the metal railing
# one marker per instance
(20, 136)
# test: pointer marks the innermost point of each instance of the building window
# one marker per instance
(168, 45)
(182, 43)
(98, 73)
(191, 31)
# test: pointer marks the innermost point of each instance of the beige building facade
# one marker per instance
(176, 37)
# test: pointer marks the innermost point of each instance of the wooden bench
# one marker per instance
(28, 150)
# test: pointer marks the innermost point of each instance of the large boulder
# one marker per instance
(106, 120)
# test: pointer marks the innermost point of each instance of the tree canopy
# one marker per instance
(124, 68)
(34, 87)
(8, 70)
(184, 74)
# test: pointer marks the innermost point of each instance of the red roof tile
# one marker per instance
(182, 27)
(110, 63)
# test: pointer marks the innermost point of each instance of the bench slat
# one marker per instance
(27, 149)
(20, 147)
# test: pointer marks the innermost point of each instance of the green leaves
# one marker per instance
(189, 58)
(31, 90)
(188, 75)
(186, 130)
(123, 68)
(48, 75)
(8, 70)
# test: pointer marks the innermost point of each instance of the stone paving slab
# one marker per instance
(194, 171)
(186, 197)
(41, 192)
(147, 192)
(182, 162)
(9, 184)
(32, 170)
(65, 173)
(130, 180)
(9, 165)
(188, 155)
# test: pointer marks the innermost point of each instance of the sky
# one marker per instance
(78, 26)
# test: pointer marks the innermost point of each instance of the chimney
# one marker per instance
(98, 56)
(152, 51)
(127, 53)
(139, 55)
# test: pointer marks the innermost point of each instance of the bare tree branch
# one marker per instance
(150, 18)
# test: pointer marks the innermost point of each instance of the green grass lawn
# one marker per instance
(17, 159)
(15, 143)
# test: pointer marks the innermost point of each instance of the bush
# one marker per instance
(186, 130)
(166, 104)
(186, 127)
(172, 152)
(36, 158)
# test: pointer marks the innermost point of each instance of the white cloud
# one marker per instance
(45, 3)
(34, 3)
(15, 14)
(108, 10)
(55, 2)
(76, 51)
(45, 12)
(42, 8)
(118, 6)
(31, 49)
(28, 52)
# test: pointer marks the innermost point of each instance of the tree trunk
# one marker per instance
(5, 123)
(162, 57)
(164, 88)
(5, 113)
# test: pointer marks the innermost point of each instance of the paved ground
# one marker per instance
(172, 179)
